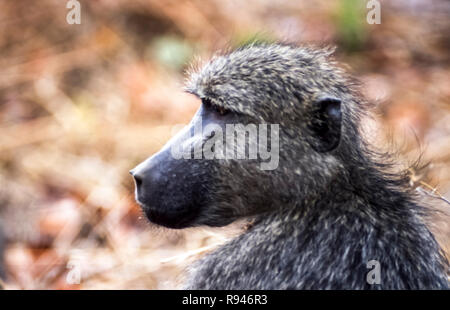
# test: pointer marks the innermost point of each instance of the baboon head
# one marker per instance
(209, 175)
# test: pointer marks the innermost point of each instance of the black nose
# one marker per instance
(137, 178)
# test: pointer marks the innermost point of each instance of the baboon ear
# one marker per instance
(325, 125)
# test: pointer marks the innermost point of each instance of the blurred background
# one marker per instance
(81, 104)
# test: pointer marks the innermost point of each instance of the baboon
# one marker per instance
(327, 217)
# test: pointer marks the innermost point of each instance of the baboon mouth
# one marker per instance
(174, 220)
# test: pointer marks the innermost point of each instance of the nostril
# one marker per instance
(138, 180)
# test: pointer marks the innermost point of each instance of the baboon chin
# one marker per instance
(277, 139)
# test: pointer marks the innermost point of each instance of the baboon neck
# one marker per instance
(361, 194)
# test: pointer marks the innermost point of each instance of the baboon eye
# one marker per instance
(221, 110)
(217, 108)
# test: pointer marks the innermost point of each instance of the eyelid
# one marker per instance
(219, 109)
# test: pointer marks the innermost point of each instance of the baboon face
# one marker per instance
(241, 154)
(176, 186)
